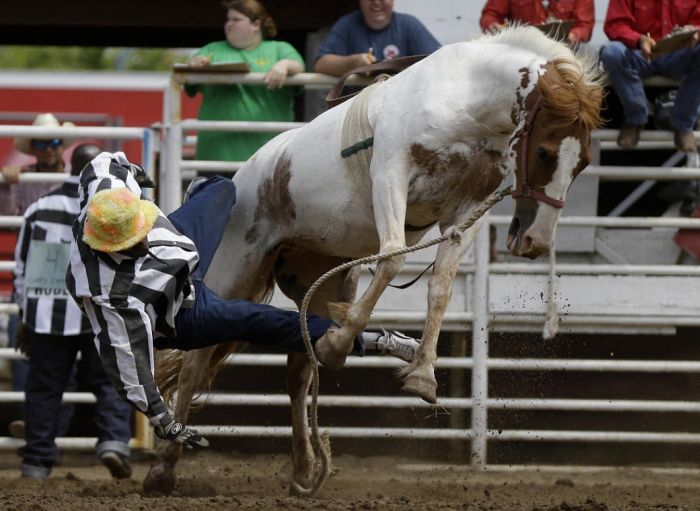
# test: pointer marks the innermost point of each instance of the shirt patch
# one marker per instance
(391, 51)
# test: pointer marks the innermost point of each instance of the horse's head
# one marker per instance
(552, 145)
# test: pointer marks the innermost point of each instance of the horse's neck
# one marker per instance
(471, 89)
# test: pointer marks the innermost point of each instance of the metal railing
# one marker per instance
(479, 318)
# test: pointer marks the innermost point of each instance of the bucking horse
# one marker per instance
(425, 147)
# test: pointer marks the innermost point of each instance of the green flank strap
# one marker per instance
(356, 148)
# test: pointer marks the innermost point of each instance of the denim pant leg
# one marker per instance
(112, 414)
(51, 360)
(213, 320)
(19, 368)
(684, 65)
(626, 68)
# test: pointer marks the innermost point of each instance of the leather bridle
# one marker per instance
(522, 177)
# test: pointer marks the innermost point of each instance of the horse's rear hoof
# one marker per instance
(423, 387)
(328, 355)
(159, 480)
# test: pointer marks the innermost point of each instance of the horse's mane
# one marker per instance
(575, 92)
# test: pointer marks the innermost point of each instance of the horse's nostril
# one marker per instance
(527, 244)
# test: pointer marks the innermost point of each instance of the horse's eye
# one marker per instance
(542, 153)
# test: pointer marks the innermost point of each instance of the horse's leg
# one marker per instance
(420, 375)
(389, 199)
(195, 365)
(295, 272)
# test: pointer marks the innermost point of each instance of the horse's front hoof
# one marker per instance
(160, 480)
(327, 353)
(422, 385)
(299, 490)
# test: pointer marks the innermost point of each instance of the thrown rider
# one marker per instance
(138, 275)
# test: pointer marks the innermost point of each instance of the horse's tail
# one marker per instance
(169, 364)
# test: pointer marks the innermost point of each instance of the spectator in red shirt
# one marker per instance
(633, 27)
(533, 12)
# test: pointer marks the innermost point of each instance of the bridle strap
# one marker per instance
(522, 177)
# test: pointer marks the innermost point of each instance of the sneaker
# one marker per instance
(119, 466)
(396, 344)
(17, 429)
(629, 135)
(195, 185)
(684, 141)
(34, 471)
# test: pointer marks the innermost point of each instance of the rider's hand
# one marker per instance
(181, 434)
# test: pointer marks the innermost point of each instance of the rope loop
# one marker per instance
(321, 443)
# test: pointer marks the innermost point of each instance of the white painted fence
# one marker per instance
(482, 294)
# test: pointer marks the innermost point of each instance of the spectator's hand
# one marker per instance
(276, 76)
(696, 35)
(181, 434)
(11, 174)
(646, 44)
(364, 59)
(22, 339)
(199, 61)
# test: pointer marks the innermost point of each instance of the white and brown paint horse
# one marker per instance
(448, 131)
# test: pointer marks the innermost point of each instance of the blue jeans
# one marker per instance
(213, 319)
(51, 362)
(626, 68)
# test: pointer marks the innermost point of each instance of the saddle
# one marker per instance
(385, 69)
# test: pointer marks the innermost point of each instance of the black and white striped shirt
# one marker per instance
(130, 300)
(48, 308)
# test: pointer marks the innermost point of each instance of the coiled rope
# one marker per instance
(321, 445)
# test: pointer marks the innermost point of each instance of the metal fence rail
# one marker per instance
(476, 315)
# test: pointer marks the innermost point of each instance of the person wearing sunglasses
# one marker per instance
(15, 197)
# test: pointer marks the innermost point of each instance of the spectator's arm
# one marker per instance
(338, 65)
(584, 17)
(494, 14)
(620, 23)
(278, 73)
(21, 252)
(695, 16)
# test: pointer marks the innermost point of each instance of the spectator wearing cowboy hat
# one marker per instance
(15, 197)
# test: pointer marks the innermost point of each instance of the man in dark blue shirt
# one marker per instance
(372, 34)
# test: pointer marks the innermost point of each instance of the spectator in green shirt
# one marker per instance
(249, 30)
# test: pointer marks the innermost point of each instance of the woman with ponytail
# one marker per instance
(249, 38)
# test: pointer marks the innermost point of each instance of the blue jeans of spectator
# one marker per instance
(20, 368)
(51, 362)
(213, 319)
(627, 67)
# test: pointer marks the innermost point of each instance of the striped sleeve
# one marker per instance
(21, 251)
(124, 340)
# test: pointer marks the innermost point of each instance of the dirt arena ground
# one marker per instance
(213, 481)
